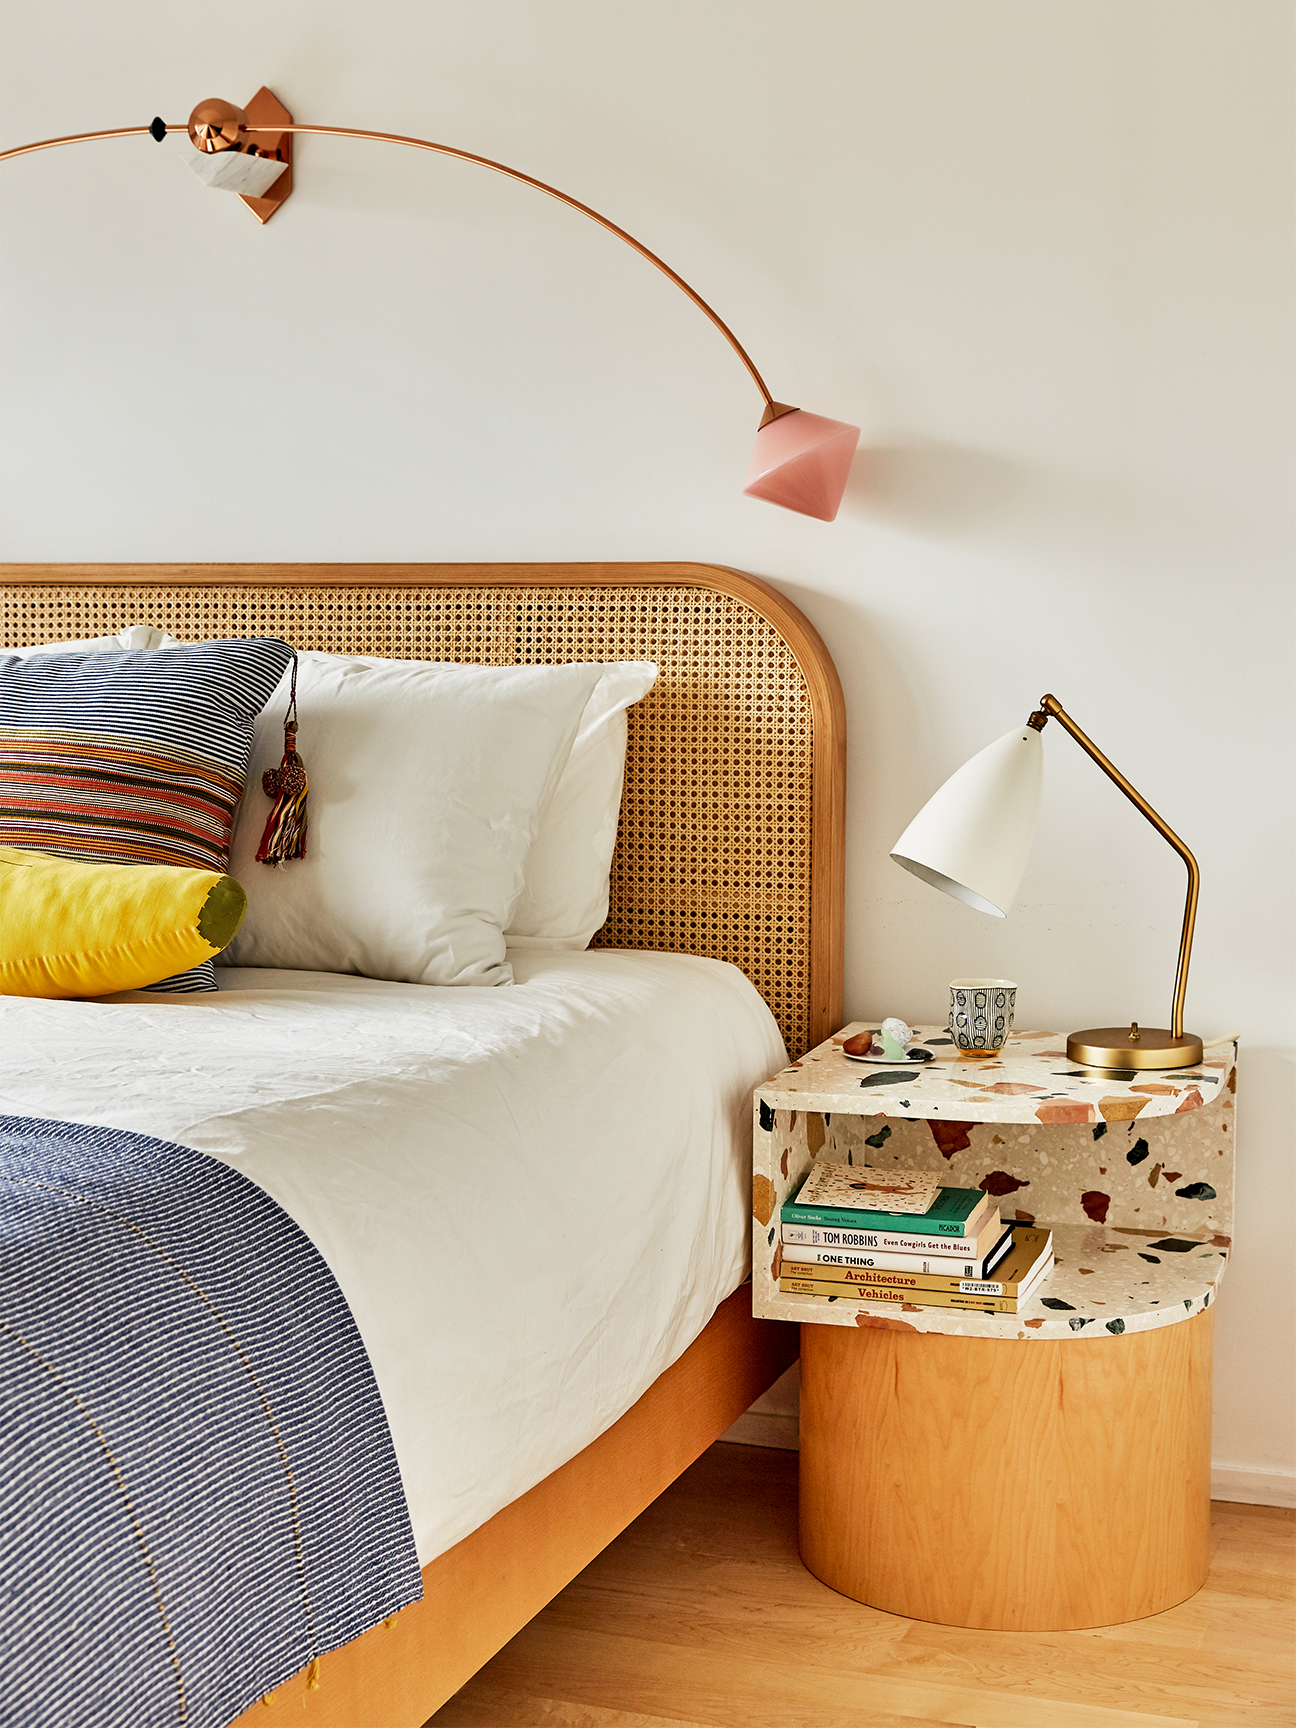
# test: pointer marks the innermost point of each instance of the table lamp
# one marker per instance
(972, 837)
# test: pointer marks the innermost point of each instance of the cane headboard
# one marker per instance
(731, 841)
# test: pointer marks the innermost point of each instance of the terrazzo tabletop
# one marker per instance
(1032, 1081)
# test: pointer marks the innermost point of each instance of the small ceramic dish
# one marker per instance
(916, 1055)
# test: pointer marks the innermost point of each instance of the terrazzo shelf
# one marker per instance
(1116, 1167)
(1103, 1281)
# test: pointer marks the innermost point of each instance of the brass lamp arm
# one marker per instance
(159, 130)
(1050, 707)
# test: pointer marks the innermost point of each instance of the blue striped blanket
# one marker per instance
(200, 1491)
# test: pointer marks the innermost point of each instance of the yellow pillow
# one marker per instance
(72, 929)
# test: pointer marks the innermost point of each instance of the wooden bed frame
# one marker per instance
(731, 844)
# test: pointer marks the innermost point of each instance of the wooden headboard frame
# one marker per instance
(732, 838)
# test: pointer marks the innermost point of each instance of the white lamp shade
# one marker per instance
(972, 838)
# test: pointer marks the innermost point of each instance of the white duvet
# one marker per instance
(533, 1197)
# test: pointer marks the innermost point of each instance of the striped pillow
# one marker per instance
(133, 757)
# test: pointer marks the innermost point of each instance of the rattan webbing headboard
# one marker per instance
(731, 841)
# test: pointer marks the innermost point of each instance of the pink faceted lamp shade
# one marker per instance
(801, 461)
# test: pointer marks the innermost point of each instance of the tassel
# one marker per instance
(312, 1676)
(285, 829)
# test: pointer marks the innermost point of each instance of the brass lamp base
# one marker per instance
(1133, 1047)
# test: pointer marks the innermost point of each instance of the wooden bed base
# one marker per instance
(731, 844)
(486, 1588)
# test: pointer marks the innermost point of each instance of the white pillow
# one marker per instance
(565, 896)
(133, 636)
(427, 783)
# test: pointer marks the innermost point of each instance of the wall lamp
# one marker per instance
(971, 840)
(801, 461)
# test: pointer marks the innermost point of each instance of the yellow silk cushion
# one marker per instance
(73, 929)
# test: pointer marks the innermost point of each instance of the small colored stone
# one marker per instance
(1118, 1109)
(999, 1182)
(1196, 1191)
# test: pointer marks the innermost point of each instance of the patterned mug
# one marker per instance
(981, 1014)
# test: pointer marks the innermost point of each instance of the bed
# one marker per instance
(730, 849)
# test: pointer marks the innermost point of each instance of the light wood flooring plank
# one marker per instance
(484, 1706)
(701, 1615)
(1135, 1677)
(660, 1678)
(1255, 1539)
(691, 1621)
(490, 1707)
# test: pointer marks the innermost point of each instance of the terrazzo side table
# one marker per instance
(1039, 1471)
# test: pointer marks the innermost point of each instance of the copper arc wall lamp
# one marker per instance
(801, 461)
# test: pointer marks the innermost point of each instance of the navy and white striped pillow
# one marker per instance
(133, 757)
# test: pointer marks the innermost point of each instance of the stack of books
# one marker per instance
(899, 1236)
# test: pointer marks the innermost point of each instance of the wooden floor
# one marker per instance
(701, 1613)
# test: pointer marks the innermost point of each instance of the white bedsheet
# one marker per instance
(533, 1197)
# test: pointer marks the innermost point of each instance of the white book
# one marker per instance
(938, 1265)
(896, 1242)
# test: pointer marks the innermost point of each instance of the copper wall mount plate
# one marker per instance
(265, 109)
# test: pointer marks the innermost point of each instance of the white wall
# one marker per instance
(1043, 252)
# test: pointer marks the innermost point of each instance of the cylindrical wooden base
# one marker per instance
(1014, 1486)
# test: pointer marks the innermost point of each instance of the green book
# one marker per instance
(952, 1213)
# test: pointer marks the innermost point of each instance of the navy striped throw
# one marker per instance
(201, 1491)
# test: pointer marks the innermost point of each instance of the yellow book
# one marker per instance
(828, 1288)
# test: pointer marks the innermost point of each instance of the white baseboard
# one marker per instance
(1253, 1487)
(757, 1428)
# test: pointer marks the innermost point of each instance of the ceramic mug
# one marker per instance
(981, 1014)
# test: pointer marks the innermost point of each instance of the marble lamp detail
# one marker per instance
(238, 171)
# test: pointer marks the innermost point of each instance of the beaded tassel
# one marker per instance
(285, 829)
